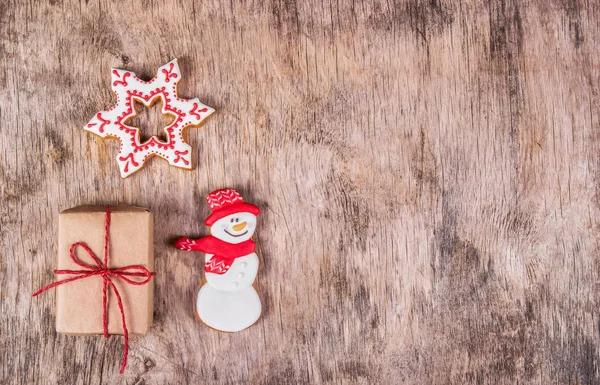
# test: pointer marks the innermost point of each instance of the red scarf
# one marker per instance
(224, 253)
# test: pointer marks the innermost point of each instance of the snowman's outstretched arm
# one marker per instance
(187, 244)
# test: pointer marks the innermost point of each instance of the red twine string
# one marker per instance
(102, 270)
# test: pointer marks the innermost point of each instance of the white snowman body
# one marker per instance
(240, 275)
(228, 301)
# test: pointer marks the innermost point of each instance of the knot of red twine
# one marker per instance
(103, 271)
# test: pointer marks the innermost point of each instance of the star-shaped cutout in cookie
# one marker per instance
(128, 88)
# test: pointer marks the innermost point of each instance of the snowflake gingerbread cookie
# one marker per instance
(227, 300)
(128, 88)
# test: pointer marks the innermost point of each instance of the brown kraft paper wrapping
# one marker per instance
(131, 242)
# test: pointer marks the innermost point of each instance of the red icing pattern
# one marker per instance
(218, 199)
(196, 114)
(104, 122)
(128, 88)
(178, 158)
(218, 265)
(128, 158)
(169, 74)
(224, 253)
(153, 141)
(122, 81)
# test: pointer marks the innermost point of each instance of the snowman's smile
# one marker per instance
(238, 235)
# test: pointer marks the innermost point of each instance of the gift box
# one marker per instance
(128, 232)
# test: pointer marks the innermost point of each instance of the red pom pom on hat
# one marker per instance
(225, 202)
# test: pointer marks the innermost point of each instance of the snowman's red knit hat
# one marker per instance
(225, 202)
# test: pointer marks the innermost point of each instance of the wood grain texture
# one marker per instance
(428, 171)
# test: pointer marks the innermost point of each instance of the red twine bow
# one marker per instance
(106, 274)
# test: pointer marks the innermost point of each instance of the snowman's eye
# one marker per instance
(237, 219)
(232, 220)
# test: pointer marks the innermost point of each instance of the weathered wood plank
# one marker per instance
(428, 173)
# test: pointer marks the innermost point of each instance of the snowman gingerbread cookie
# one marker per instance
(128, 89)
(227, 300)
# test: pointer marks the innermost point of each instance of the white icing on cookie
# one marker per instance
(228, 311)
(234, 228)
(128, 88)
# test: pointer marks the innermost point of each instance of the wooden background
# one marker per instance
(428, 171)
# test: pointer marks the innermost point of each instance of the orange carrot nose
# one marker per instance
(239, 226)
